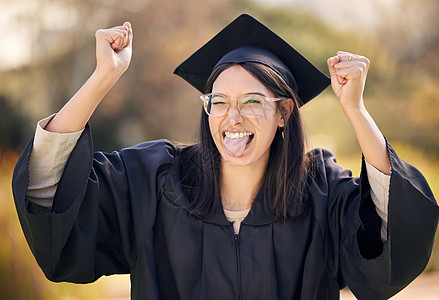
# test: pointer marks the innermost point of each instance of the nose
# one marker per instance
(233, 114)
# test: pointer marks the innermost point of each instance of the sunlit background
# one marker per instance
(47, 53)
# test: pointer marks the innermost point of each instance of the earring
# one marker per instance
(282, 132)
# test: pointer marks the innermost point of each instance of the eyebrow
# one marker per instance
(249, 93)
(255, 93)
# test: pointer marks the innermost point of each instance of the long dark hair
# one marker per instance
(285, 178)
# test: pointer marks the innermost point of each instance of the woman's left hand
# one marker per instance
(348, 77)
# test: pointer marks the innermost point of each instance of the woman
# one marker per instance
(245, 213)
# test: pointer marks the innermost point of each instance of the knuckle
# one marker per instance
(359, 71)
(365, 60)
(364, 65)
(367, 63)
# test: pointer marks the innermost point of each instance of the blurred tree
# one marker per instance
(409, 30)
(148, 102)
(14, 126)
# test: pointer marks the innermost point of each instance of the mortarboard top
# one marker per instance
(253, 41)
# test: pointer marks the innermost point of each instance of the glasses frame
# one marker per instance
(205, 98)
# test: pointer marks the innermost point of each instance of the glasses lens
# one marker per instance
(252, 106)
(217, 105)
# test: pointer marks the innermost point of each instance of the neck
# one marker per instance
(240, 184)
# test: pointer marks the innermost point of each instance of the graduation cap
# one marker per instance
(248, 40)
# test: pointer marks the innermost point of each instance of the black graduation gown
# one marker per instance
(126, 212)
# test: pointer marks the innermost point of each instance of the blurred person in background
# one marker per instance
(246, 212)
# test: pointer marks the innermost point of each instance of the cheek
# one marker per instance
(268, 124)
(269, 128)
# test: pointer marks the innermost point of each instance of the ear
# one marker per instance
(285, 108)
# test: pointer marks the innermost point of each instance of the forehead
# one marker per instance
(236, 81)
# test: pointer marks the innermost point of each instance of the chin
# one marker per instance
(246, 159)
(236, 161)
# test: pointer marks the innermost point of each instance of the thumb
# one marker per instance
(130, 33)
(331, 63)
(336, 80)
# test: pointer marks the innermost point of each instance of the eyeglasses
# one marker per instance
(249, 105)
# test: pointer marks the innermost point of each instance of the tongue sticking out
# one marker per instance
(235, 147)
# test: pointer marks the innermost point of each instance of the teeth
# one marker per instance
(236, 135)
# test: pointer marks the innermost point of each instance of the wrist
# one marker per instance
(106, 76)
(354, 108)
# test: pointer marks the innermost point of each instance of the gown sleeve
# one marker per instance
(371, 269)
(89, 230)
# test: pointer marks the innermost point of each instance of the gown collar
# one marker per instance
(174, 192)
(257, 215)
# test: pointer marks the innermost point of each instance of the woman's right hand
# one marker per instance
(114, 49)
(113, 53)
